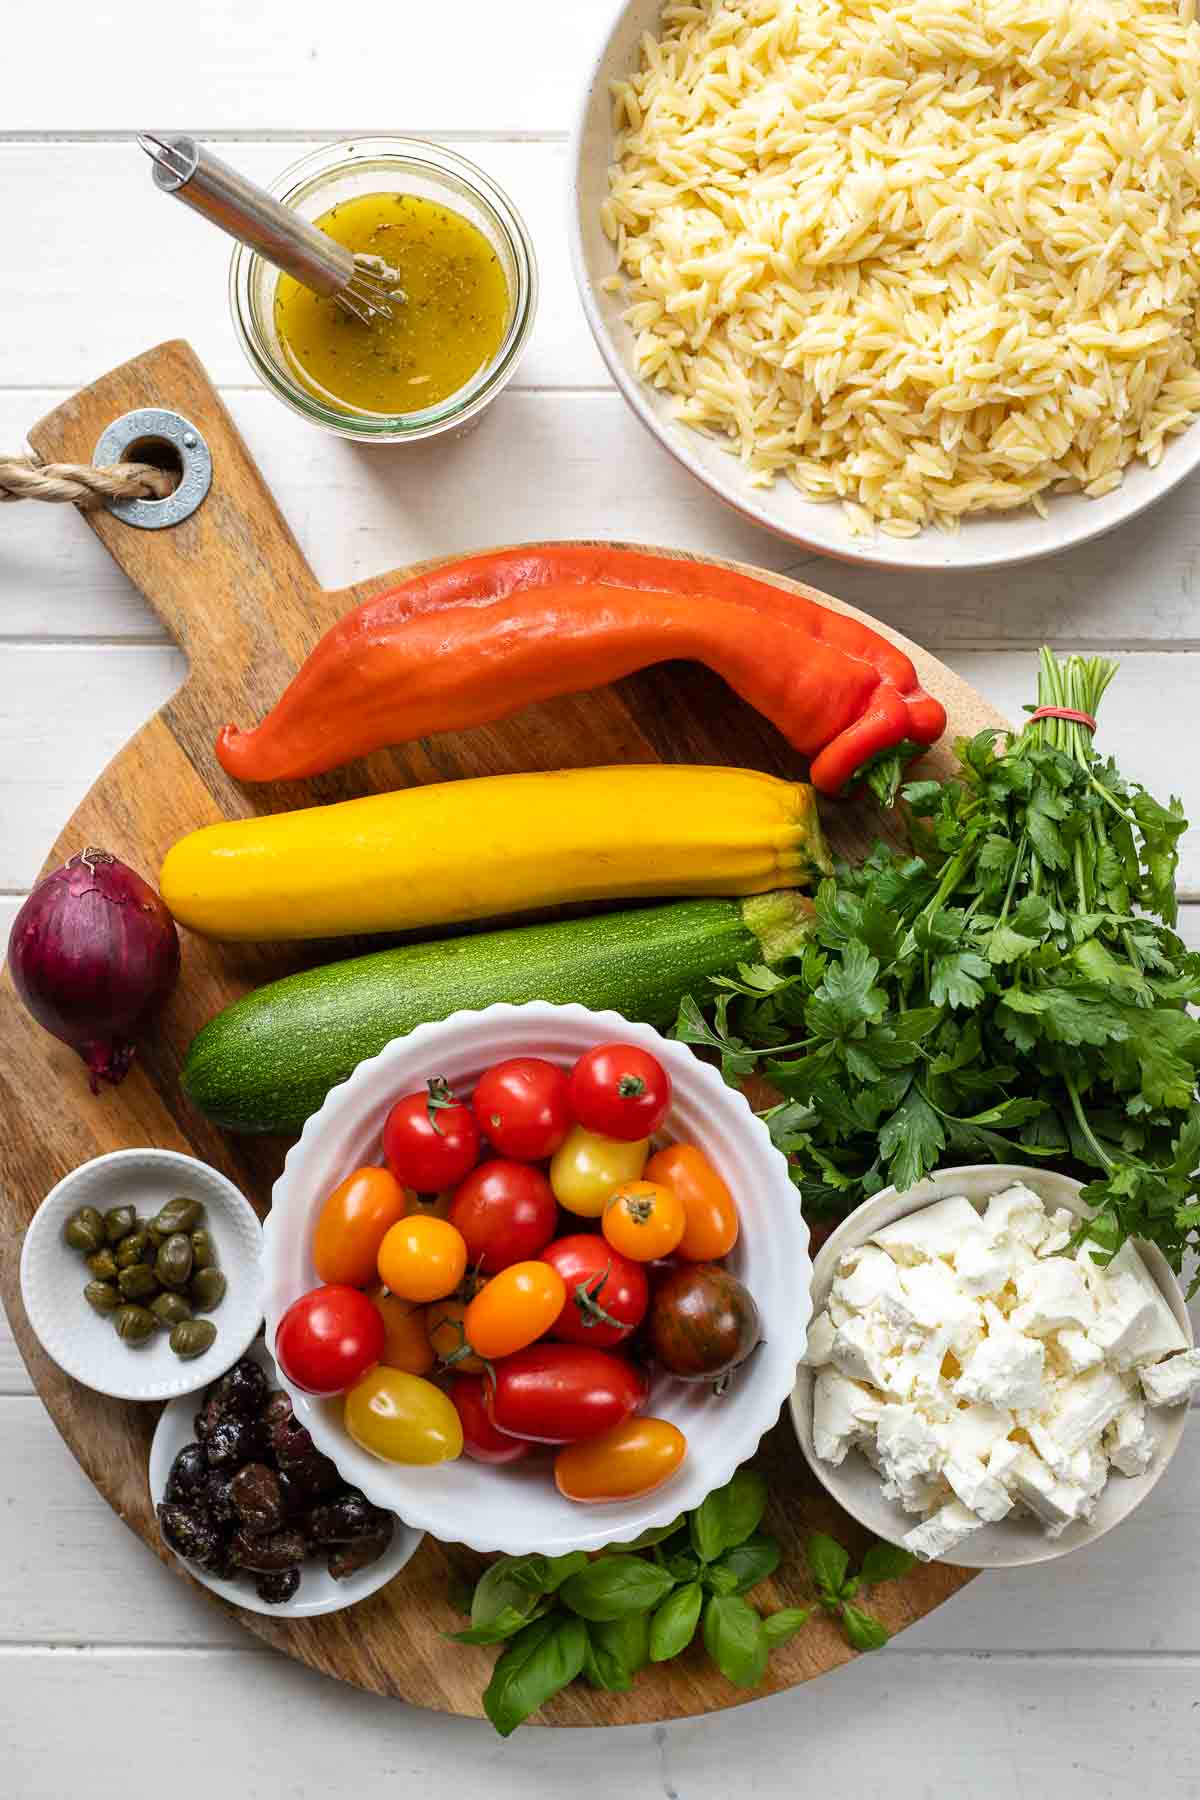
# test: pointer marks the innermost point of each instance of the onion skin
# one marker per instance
(93, 954)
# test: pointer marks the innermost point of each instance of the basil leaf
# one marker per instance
(729, 1515)
(718, 1579)
(505, 1624)
(507, 1594)
(683, 1566)
(828, 1562)
(747, 1564)
(784, 1624)
(864, 1632)
(539, 1662)
(617, 1649)
(613, 1586)
(674, 1624)
(654, 1534)
(734, 1638)
(885, 1562)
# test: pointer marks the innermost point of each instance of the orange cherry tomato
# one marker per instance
(406, 1342)
(632, 1459)
(353, 1223)
(711, 1221)
(447, 1332)
(643, 1220)
(422, 1258)
(515, 1308)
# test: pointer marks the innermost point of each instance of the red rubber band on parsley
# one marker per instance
(1064, 712)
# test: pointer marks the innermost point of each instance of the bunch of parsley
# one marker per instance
(1011, 990)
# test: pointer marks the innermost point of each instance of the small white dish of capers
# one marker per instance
(140, 1274)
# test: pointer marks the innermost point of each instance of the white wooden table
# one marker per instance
(1076, 1680)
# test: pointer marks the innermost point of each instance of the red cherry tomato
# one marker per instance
(506, 1212)
(621, 1091)
(558, 1393)
(521, 1106)
(481, 1440)
(607, 1294)
(328, 1339)
(430, 1140)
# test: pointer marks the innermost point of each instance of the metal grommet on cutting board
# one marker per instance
(147, 426)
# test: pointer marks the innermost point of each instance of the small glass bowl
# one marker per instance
(339, 172)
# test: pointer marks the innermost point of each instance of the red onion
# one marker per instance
(93, 954)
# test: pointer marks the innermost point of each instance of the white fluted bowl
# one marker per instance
(517, 1509)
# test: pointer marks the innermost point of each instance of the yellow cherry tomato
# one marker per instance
(447, 1332)
(406, 1342)
(403, 1419)
(632, 1459)
(353, 1223)
(586, 1168)
(643, 1220)
(712, 1221)
(514, 1309)
(422, 1258)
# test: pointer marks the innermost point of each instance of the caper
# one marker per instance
(204, 1254)
(134, 1324)
(192, 1337)
(84, 1230)
(170, 1309)
(103, 1265)
(207, 1290)
(132, 1249)
(118, 1222)
(177, 1215)
(173, 1264)
(137, 1282)
(102, 1295)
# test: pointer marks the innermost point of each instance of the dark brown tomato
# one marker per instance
(702, 1322)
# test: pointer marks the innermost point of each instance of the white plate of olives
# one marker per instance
(255, 1512)
(140, 1274)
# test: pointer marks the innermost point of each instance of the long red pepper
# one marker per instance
(479, 639)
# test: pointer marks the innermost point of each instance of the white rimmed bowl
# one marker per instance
(1020, 1538)
(987, 541)
(53, 1276)
(517, 1509)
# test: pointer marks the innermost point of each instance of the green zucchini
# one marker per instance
(268, 1061)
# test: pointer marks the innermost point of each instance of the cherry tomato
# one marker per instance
(406, 1342)
(430, 1139)
(481, 1441)
(521, 1105)
(403, 1419)
(711, 1228)
(630, 1460)
(556, 1393)
(506, 1212)
(702, 1322)
(447, 1331)
(587, 1167)
(515, 1307)
(643, 1220)
(352, 1225)
(328, 1339)
(422, 1258)
(607, 1294)
(620, 1090)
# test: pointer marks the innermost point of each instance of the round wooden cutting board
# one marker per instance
(231, 585)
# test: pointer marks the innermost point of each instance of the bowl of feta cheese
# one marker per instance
(980, 1388)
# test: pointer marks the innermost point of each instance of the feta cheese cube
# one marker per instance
(872, 1275)
(910, 1453)
(975, 1430)
(1078, 1352)
(1006, 1368)
(1172, 1382)
(936, 1302)
(819, 1347)
(934, 1231)
(1053, 1294)
(1056, 1503)
(844, 1415)
(1129, 1445)
(977, 1488)
(983, 1268)
(941, 1532)
(861, 1350)
(1060, 1228)
(1001, 1459)
(916, 1372)
(1083, 1409)
(1134, 1324)
(1016, 1216)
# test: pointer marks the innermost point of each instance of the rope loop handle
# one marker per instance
(79, 484)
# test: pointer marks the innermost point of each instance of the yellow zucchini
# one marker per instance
(464, 850)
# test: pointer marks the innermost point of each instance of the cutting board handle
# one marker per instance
(230, 582)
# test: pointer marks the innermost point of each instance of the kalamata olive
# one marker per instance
(241, 1391)
(207, 1420)
(351, 1515)
(192, 1337)
(296, 1499)
(702, 1322)
(132, 1248)
(134, 1324)
(347, 1559)
(84, 1230)
(204, 1254)
(138, 1282)
(256, 1495)
(176, 1215)
(233, 1442)
(278, 1586)
(173, 1264)
(103, 1265)
(276, 1550)
(218, 1498)
(118, 1222)
(170, 1309)
(102, 1296)
(277, 1409)
(188, 1476)
(291, 1443)
(191, 1535)
(207, 1289)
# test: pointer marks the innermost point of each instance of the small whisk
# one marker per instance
(364, 286)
